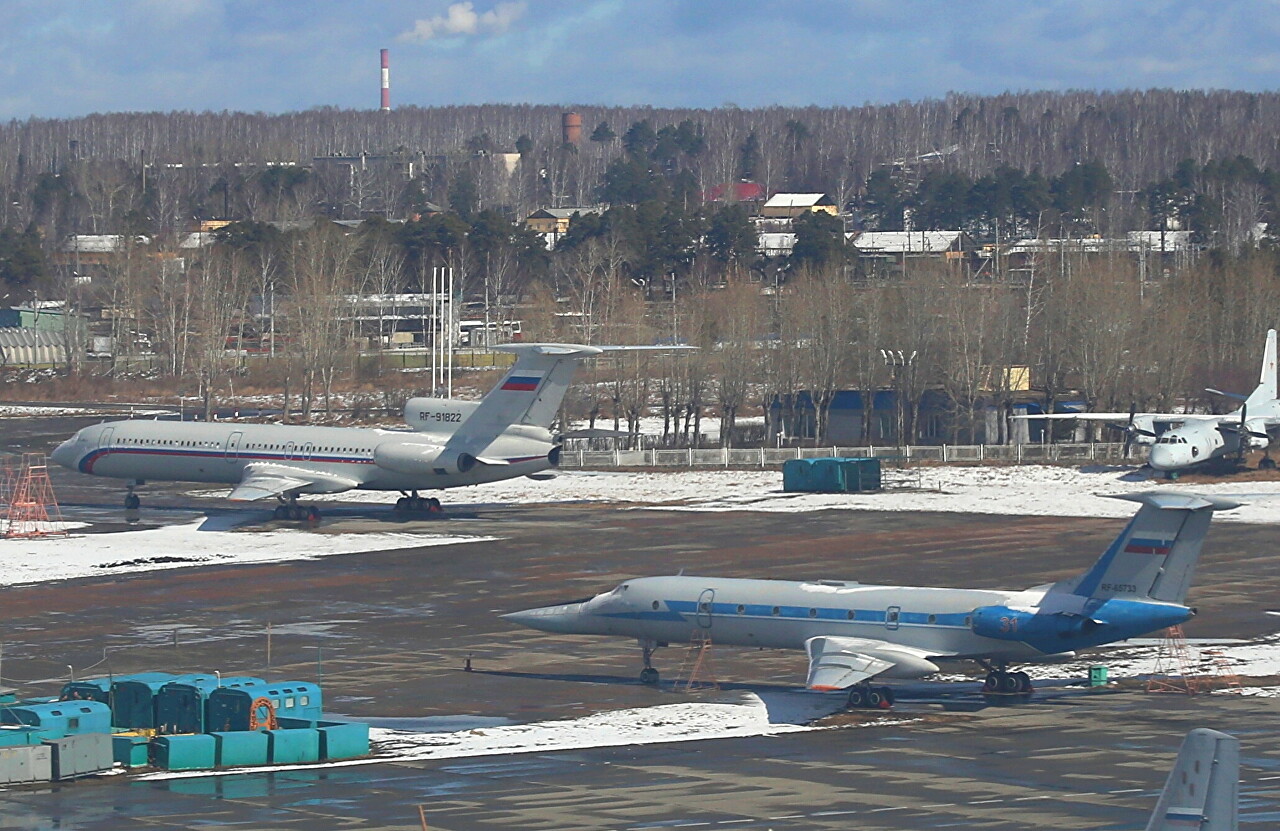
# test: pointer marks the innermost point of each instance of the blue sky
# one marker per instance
(71, 57)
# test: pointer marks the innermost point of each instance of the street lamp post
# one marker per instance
(902, 364)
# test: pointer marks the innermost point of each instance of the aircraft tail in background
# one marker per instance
(1155, 556)
(1265, 393)
(1202, 792)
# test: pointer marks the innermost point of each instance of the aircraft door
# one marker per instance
(231, 450)
(705, 600)
(288, 450)
(104, 438)
(306, 450)
(891, 616)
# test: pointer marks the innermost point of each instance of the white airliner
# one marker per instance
(854, 632)
(1201, 438)
(454, 443)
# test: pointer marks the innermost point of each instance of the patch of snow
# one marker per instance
(1040, 490)
(204, 542)
(16, 411)
(683, 722)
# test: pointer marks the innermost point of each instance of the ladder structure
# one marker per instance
(1176, 670)
(33, 510)
(697, 672)
(1221, 674)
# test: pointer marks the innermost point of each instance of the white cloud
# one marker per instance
(462, 19)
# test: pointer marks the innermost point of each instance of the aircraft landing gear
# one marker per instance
(290, 510)
(414, 504)
(867, 697)
(1266, 462)
(132, 501)
(649, 675)
(1000, 681)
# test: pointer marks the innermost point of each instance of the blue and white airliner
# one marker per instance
(854, 632)
(453, 443)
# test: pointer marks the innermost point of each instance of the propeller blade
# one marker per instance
(1235, 395)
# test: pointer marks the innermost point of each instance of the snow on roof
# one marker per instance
(794, 200)
(776, 243)
(564, 213)
(905, 242)
(99, 243)
(1132, 242)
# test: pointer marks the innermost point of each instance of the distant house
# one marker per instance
(96, 249)
(747, 192)
(792, 205)
(775, 244)
(1155, 248)
(553, 223)
(886, 251)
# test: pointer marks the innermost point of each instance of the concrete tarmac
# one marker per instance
(388, 634)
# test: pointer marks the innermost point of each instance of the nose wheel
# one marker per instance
(132, 501)
(649, 675)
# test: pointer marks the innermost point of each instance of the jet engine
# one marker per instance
(417, 459)
(1005, 624)
(1256, 433)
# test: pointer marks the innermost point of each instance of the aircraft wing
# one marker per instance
(263, 480)
(1158, 418)
(837, 662)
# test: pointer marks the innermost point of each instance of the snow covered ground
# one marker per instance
(17, 411)
(200, 543)
(1043, 490)
(746, 714)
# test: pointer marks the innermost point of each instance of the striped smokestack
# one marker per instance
(386, 81)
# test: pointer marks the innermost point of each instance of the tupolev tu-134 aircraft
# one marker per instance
(854, 632)
(1193, 439)
(453, 443)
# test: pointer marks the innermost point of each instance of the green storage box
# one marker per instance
(131, 751)
(291, 746)
(183, 752)
(1097, 676)
(241, 748)
(343, 740)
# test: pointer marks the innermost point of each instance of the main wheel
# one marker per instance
(992, 684)
(433, 504)
(887, 698)
(1024, 682)
(857, 697)
(649, 675)
(1266, 463)
(1009, 682)
(313, 514)
(281, 512)
(402, 503)
(874, 699)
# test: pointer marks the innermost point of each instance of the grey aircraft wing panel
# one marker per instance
(261, 481)
(836, 663)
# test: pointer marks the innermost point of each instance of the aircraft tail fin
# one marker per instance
(1266, 389)
(1202, 791)
(1155, 556)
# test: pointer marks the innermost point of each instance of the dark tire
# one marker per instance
(649, 675)
(874, 699)
(401, 503)
(1009, 682)
(857, 698)
(1266, 463)
(433, 504)
(1024, 682)
(313, 514)
(992, 684)
(132, 502)
(280, 512)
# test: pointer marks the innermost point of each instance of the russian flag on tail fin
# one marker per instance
(524, 381)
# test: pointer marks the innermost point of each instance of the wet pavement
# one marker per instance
(389, 632)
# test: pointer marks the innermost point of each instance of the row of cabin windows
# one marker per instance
(303, 701)
(890, 617)
(249, 446)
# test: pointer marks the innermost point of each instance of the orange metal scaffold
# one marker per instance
(1178, 670)
(33, 509)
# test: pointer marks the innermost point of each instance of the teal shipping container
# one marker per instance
(133, 705)
(181, 704)
(232, 708)
(343, 740)
(290, 746)
(18, 735)
(56, 719)
(183, 752)
(131, 751)
(248, 747)
(92, 689)
(831, 475)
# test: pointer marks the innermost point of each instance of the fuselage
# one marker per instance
(947, 623)
(218, 452)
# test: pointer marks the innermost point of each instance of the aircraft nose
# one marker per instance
(563, 618)
(65, 453)
(1162, 457)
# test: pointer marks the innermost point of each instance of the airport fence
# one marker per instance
(769, 457)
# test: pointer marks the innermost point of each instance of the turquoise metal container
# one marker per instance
(343, 740)
(292, 746)
(183, 752)
(131, 751)
(240, 749)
